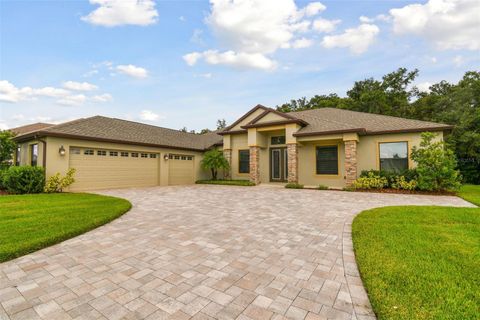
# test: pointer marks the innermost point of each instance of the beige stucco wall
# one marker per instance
(238, 142)
(25, 154)
(56, 163)
(368, 153)
(249, 118)
(307, 164)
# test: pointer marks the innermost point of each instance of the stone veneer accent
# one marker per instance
(292, 160)
(350, 161)
(255, 165)
(227, 153)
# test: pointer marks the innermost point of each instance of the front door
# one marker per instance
(278, 164)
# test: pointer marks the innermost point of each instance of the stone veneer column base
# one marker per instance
(255, 165)
(227, 153)
(292, 160)
(350, 161)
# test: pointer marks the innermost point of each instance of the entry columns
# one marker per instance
(255, 164)
(292, 160)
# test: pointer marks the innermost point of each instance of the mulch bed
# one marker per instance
(431, 193)
(3, 192)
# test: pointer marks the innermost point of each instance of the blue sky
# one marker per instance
(189, 63)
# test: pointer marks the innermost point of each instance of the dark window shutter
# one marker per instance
(327, 160)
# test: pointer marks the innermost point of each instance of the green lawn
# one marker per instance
(470, 193)
(31, 222)
(421, 262)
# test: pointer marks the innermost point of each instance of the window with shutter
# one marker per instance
(327, 159)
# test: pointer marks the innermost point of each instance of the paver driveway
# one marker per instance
(205, 252)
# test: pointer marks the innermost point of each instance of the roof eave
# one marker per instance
(430, 129)
(39, 134)
(324, 133)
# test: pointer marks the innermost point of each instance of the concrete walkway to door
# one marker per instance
(205, 252)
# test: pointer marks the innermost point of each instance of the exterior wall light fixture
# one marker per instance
(61, 151)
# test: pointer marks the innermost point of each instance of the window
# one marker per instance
(74, 151)
(124, 154)
(34, 155)
(177, 157)
(189, 158)
(113, 153)
(88, 152)
(17, 155)
(153, 156)
(393, 156)
(184, 158)
(278, 140)
(101, 153)
(243, 161)
(144, 155)
(327, 160)
(134, 155)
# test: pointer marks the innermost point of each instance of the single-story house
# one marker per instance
(323, 146)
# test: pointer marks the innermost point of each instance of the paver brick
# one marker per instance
(205, 252)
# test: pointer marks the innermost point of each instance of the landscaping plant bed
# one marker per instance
(400, 191)
(244, 183)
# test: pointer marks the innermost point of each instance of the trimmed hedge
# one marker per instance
(25, 179)
(294, 186)
(244, 183)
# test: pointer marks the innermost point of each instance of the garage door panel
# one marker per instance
(181, 170)
(103, 172)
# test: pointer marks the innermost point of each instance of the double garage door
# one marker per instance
(103, 169)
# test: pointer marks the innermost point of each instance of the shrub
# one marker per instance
(246, 183)
(402, 184)
(322, 187)
(214, 160)
(391, 176)
(57, 183)
(2, 175)
(294, 186)
(435, 165)
(25, 179)
(371, 181)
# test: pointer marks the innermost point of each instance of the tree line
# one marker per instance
(394, 94)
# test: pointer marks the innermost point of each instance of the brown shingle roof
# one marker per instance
(329, 120)
(122, 131)
(30, 128)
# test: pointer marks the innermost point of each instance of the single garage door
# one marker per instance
(181, 169)
(104, 168)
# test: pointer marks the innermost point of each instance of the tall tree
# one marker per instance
(221, 124)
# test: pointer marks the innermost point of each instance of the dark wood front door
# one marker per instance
(278, 165)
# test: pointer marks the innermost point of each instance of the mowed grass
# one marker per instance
(470, 193)
(32, 222)
(420, 262)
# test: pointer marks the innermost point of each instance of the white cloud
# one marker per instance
(72, 100)
(182, 18)
(424, 87)
(3, 126)
(324, 25)
(149, 115)
(364, 19)
(356, 39)
(302, 43)
(10, 93)
(106, 97)
(113, 13)
(240, 60)
(251, 30)
(313, 9)
(79, 86)
(90, 73)
(192, 58)
(449, 24)
(133, 71)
